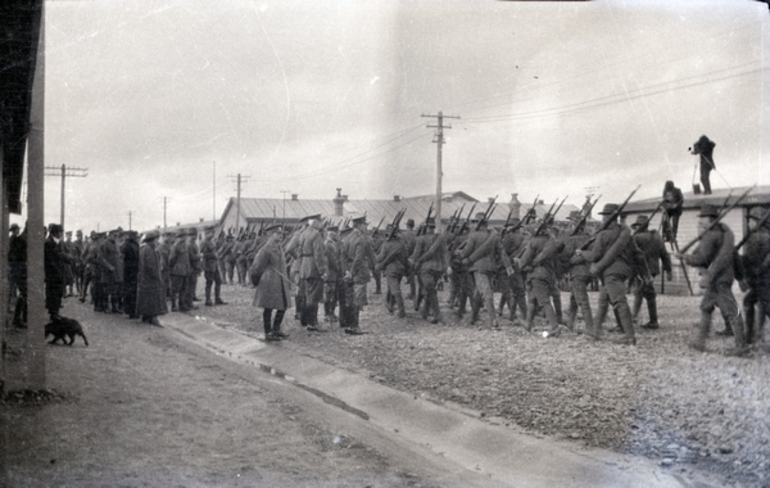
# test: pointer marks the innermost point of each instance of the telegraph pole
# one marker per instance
(439, 141)
(240, 179)
(64, 171)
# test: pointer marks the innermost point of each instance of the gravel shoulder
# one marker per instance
(692, 412)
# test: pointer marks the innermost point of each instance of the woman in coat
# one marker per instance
(150, 289)
(268, 274)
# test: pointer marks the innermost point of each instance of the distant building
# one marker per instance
(688, 226)
(254, 212)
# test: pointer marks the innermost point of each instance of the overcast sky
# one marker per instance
(173, 98)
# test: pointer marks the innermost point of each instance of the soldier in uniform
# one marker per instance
(481, 254)
(392, 262)
(334, 271)
(461, 277)
(512, 287)
(77, 247)
(110, 277)
(210, 269)
(268, 274)
(164, 250)
(653, 250)
(69, 269)
(410, 240)
(150, 288)
(179, 270)
(312, 270)
(430, 260)
(579, 276)
(191, 283)
(754, 266)
(358, 253)
(345, 286)
(611, 258)
(538, 262)
(130, 251)
(715, 256)
(293, 252)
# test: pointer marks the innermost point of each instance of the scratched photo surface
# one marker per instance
(165, 102)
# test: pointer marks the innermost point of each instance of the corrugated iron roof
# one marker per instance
(760, 195)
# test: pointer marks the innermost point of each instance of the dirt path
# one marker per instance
(142, 408)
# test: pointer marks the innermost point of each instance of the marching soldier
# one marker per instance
(392, 262)
(611, 258)
(430, 260)
(410, 240)
(651, 245)
(539, 261)
(754, 265)
(512, 287)
(461, 277)
(481, 254)
(715, 256)
(579, 276)
(358, 254)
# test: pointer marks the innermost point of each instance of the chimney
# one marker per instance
(515, 206)
(396, 198)
(339, 203)
(295, 196)
(490, 200)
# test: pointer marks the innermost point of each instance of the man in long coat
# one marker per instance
(55, 260)
(130, 251)
(268, 274)
(150, 288)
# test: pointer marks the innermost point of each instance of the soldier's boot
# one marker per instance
(521, 304)
(552, 319)
(591, 328)
(462, 301)
(503, 299)
(400, 306)
(702, 332)
(267, 323)
(389, 302)
(741, 344)
(489, 304)
(277, 325)
(435, 308)
(618, 321)
(652, 311)
(623, 313)
(208, 303)
(637, 308)
(531, 312)
(750, 323)
(174, 307)
(475, 308)
(572, 315)
(557, 308)
(728, 330)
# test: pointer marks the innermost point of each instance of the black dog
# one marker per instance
(63, 328)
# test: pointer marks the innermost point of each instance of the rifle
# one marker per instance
(430, 211)
(487, 214)
(531, 213)
(553, 215)
(609, 221)
(761, 222)
(585, 212)
(467, 220)
(713, 224)
(649, 219)
(378, 227)
(396, 223)
(546, 217)
(261, 228)
(455, 219)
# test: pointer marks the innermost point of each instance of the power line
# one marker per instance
(65, 172)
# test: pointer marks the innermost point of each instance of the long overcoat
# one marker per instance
(150, 289)
(269, 267)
